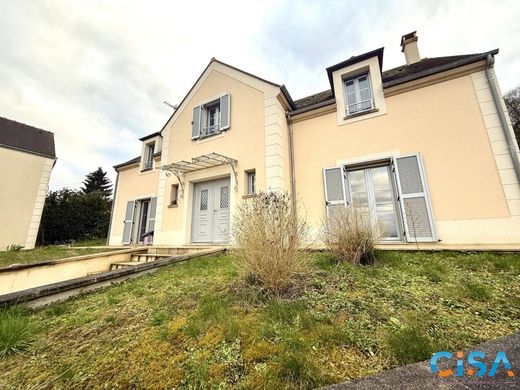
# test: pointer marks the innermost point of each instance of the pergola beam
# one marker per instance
(205, 161)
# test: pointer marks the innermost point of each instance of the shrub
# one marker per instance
(16, 330)
(350, 235)
(269, 240)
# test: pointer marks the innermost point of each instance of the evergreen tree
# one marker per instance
(97, 181)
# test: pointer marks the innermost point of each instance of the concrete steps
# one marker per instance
(156, 253)
(137, 259)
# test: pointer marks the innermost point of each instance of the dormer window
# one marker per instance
(358, 95)
(148, 156)
(211, 118)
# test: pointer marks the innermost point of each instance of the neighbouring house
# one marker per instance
(427, 147)
(27, 157)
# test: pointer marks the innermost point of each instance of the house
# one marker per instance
(427, 147)
(27, 157)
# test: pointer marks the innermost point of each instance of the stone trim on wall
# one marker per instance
(498, 142)
(274, 115)
(39, 202)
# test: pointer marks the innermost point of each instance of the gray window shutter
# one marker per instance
(333, 180)
(151, 218)
(414, 199)
(225, 112)
(129, 222)
(195, 128)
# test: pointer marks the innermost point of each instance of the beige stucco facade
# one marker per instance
(25, 180)
(447, 118)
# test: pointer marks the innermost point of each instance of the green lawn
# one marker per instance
(44, 253)
(196, 325)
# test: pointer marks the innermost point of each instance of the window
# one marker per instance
(174, 195)
(251, 182)
(203, 200)
(148, 156)
(211, 118)
(358, 95)
(224, 197)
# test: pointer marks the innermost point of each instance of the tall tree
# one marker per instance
(512, 100)
(97, 181)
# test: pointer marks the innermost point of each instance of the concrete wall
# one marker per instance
(25, 180)
(34, 275)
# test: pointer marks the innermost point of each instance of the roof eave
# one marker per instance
(441, 68)
(150, 136)
(354, 60)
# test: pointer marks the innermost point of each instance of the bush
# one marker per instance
(350, 235)
(70, 215)
(16, 330)
(269, 240)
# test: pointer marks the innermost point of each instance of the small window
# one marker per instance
(251, 182)
(174, 195)
(224, 197)
(148, 156)
(203, 200)
(358, 95)
(210, 119)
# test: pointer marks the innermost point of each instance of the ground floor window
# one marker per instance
(139, 224)
(394, 191)
(372, 189)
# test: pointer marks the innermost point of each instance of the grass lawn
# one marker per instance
(196, 325)
(93, 242)
(44, 253)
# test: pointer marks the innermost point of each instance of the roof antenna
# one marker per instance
(174, 106)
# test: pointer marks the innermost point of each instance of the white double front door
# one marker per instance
(211, 211)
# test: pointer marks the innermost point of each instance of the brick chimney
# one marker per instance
(409, 48)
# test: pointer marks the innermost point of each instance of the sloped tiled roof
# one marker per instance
(30, 139)
(404, 73)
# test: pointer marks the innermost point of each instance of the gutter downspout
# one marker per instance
(511, 143)
(112, 211)
(291, 158)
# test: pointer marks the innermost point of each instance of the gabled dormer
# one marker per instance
(357, 87)
(151, 150)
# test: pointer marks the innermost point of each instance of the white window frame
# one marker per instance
(149, 151)
(206, 129)
(251, 182)
(359, 103)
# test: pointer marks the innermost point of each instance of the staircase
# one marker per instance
(138, 258)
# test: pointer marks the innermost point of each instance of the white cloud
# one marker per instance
(96, 73)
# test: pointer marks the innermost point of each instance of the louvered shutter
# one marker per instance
(225, 112)
(129, 222)
(151, 218)
(414, 199)
(197, 119)
(333, 180)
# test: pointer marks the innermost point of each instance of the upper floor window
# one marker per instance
(211, 118)
(358, 95)
(148, 156)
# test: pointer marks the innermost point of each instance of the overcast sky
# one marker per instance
(96, 73)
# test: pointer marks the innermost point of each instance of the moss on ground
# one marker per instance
(194, 325)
